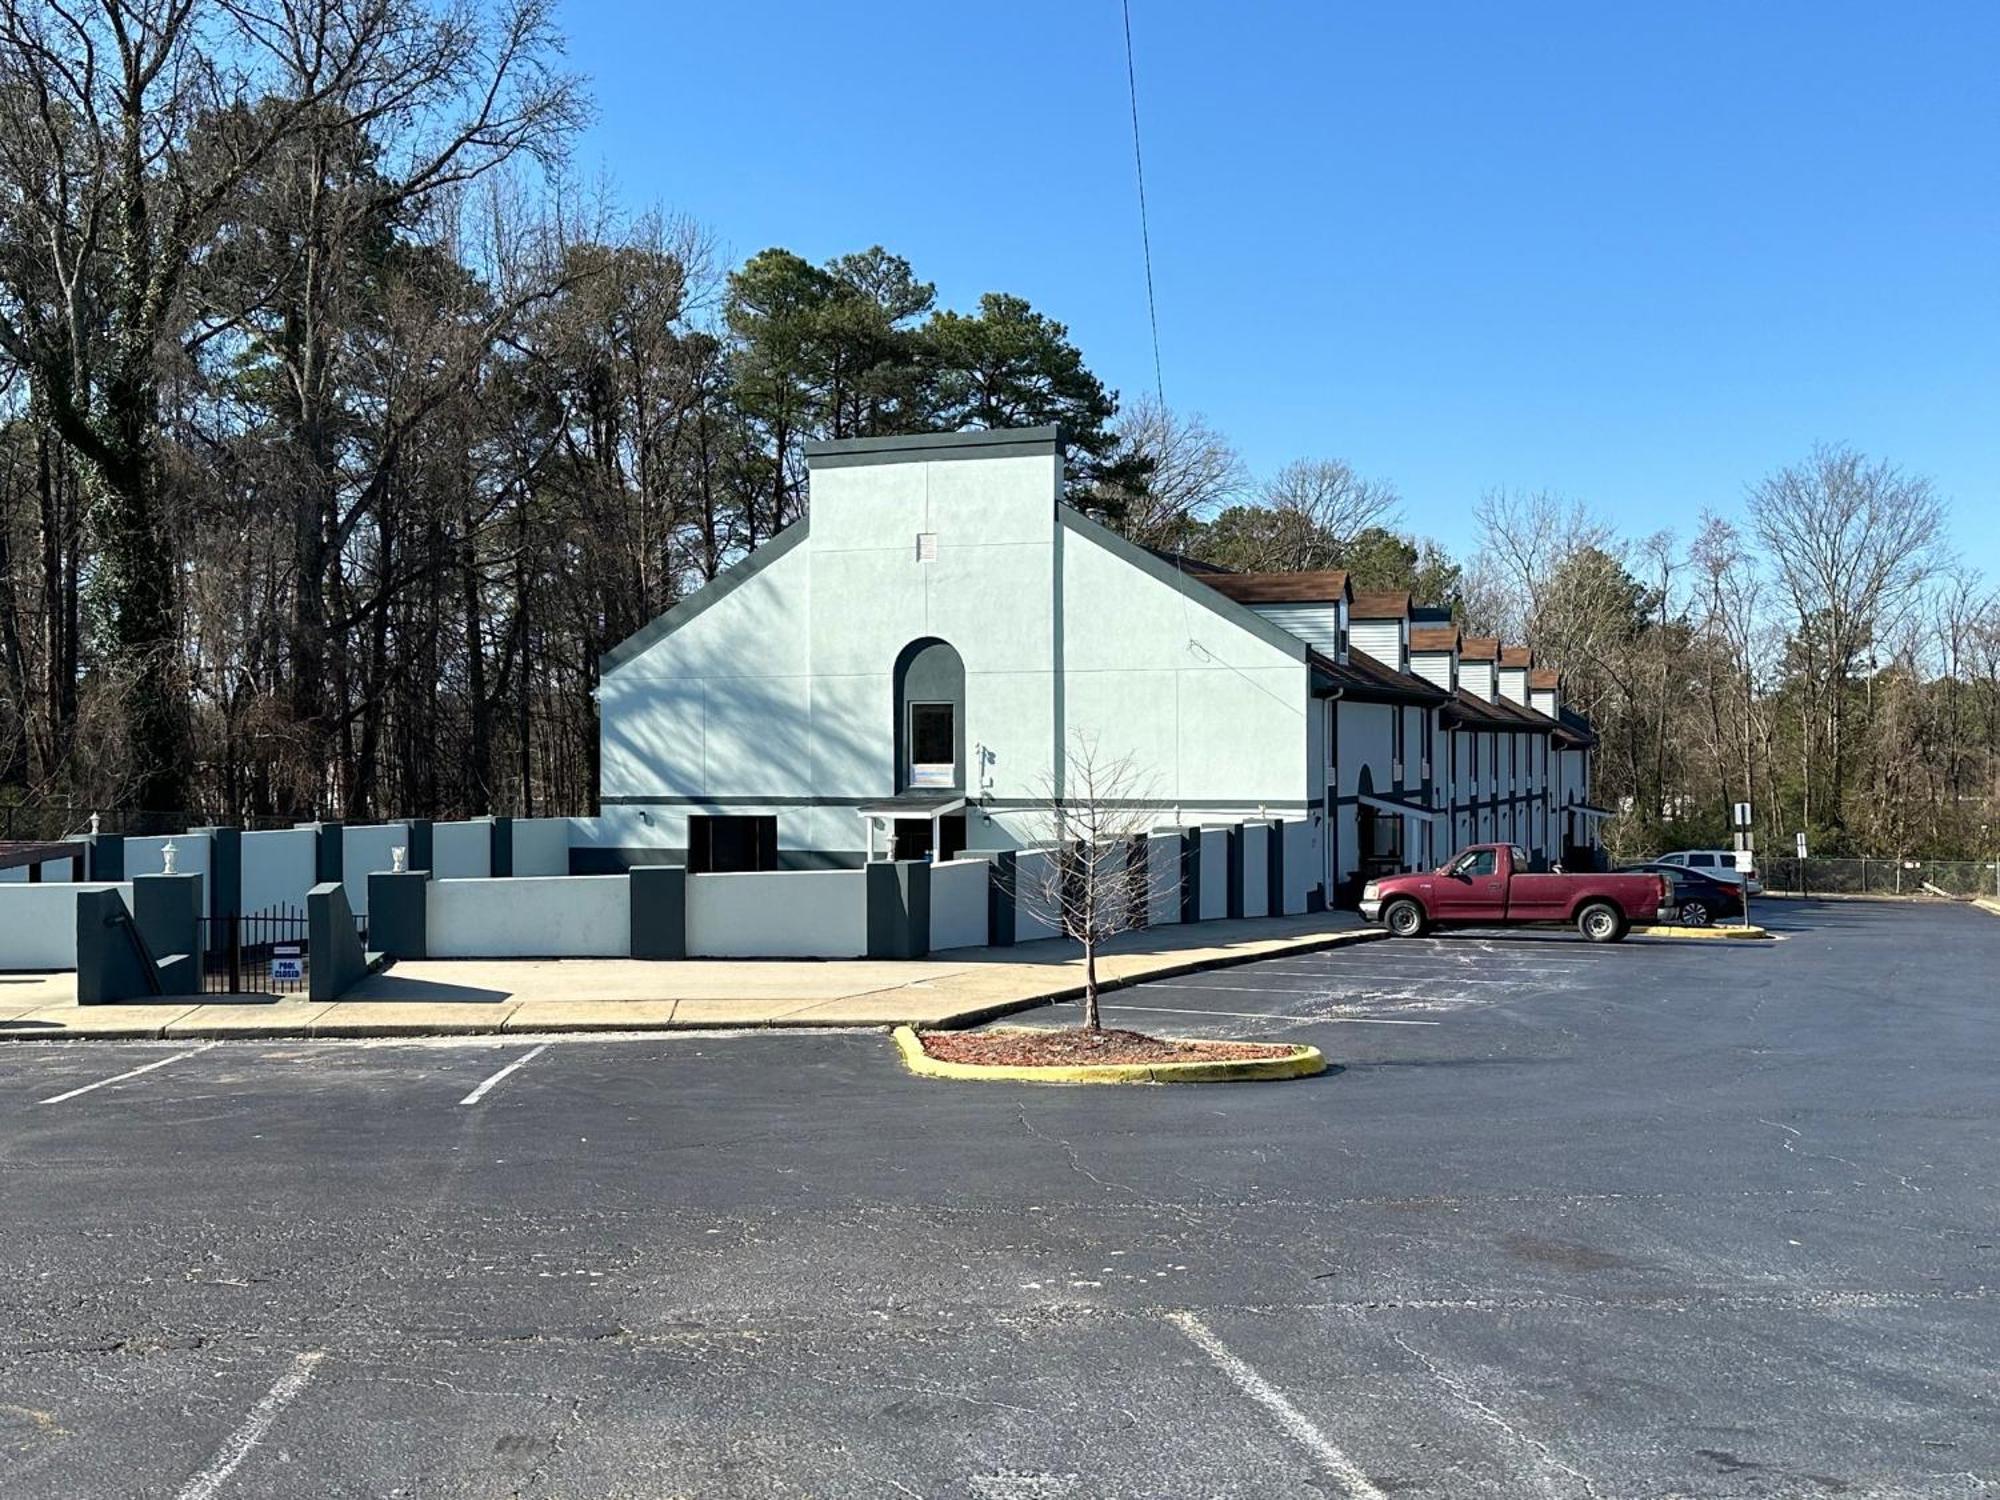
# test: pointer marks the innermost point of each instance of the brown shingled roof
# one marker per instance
(1361, 677)
(1546, 679)
(1434, 638)
(1273, 588)
(1516, 656)
(1480, 648)
(1380, 604)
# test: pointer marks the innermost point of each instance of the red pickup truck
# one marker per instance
(1491, 885)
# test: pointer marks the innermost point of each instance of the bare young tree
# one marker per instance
(1092, 882)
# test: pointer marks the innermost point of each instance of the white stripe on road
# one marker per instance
(1264, 1015)
(1295, 1422)
(480, 1093)
(230, 1456)
(129, 1073)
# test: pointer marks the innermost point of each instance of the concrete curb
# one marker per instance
(1303, 1062)
(174, 1018)
(1710, 934)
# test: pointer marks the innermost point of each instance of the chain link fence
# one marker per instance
(1963, 878)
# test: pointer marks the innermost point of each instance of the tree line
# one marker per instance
(342, 429)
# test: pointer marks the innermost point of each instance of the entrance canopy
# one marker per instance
(931, 805)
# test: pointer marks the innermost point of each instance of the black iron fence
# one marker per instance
(260, 953)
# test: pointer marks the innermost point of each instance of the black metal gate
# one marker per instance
(263, 953)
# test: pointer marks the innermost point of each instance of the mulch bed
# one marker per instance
(1068, 1048)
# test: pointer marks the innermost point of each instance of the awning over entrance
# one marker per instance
(918, 802)
(1391, 805)
(1590, 812)
(934, 806)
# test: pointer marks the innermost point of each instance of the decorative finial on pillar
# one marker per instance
(94, 822)
(396, 857)
(168, 854)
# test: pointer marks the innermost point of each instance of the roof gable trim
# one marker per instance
(707, 596)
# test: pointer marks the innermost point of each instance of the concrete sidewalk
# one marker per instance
(482, 996)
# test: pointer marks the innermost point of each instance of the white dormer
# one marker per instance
(1309, 606)
(1382, 627)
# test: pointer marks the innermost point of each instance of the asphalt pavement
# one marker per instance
(1659, 1219)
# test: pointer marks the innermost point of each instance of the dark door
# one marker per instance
(913, 837)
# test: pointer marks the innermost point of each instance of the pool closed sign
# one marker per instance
(287, 963)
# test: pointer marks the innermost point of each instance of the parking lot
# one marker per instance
(1659, 1219)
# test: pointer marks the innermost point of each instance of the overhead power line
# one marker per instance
(1145, 231)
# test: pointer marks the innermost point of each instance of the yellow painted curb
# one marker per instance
(1303, 1062)
(1712, 934)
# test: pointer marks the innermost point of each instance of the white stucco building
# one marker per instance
(919, 658)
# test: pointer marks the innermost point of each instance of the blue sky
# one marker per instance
(1640, 256)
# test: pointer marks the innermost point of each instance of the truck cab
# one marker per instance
(1488, 885)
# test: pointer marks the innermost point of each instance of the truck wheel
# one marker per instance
(1600, 922)
(1404, 919)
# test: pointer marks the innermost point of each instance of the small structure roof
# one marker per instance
(1434, 638)
(1380, 604)
(1480, 648)
(1516, 656)
(1323, 587)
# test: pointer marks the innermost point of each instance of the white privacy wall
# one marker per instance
(958, 904)
(778, 914)
(38, 923)
(462, 851)
(278, 868)
(1031, 916)
(144, 857)
(364, 851)
(547, 917)
(541, 846)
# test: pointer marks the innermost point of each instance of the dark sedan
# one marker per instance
(1700, 900)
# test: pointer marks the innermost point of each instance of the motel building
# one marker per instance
(907, 672)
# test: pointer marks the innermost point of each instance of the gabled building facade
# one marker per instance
(912, 669)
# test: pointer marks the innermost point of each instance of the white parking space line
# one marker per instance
(1296, 1424)
(129, 1073)
(1265, 1015)
(520, 1062)
(229, 1457)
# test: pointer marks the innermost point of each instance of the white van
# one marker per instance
(1717, 864)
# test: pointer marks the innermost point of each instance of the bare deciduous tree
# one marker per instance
(1191, 471)
(1091, 881)
(1325, 504)
(1853, 543)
